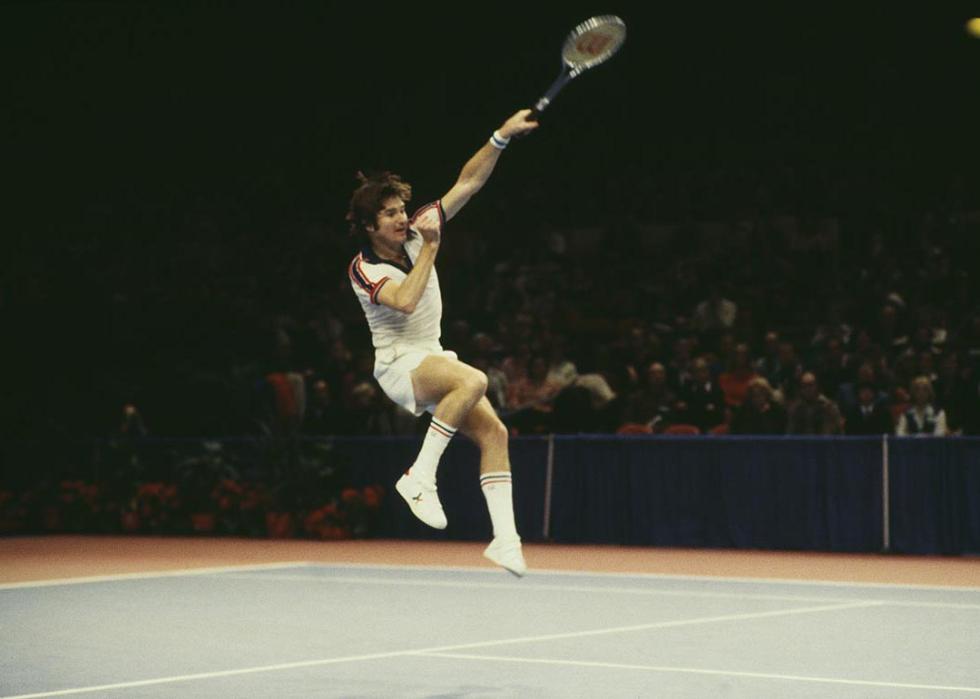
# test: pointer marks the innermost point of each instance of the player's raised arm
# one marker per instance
(477, 170)
(404, 297)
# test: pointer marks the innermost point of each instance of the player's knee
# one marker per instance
(498, 432)
(475, 382)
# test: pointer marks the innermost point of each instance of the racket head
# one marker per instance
(594, 41)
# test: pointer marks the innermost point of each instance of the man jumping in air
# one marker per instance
(395, 279)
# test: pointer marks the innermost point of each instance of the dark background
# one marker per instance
(122, 122)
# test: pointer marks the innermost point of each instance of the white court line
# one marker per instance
(521, 587)
(701, 671)
(441, 649)
(816, 582)
(532, 587)
(152, 574)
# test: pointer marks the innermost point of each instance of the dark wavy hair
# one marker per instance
(369, 198)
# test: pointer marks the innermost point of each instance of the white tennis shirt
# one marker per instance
(368, 273)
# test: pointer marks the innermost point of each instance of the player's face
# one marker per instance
(392, 227)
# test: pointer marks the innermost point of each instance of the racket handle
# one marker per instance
(556, 87)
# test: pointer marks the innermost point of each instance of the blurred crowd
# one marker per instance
(764, 323)
(644, 308)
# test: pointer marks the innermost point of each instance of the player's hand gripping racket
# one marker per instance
(594, 41)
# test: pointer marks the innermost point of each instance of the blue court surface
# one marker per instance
(307, 630)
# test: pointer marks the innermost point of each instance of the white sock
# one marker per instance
(498, 490)
(436, 440)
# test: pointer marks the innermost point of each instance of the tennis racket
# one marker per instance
(594, 41)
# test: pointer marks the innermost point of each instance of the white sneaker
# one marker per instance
(423, 500)
(506, 553)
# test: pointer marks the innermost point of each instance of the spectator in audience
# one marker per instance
(954, 394)
(529, 398)
(562, 372)
(768, 365)
(903, 370)
(132, 424)
(515, 364)
(735, 381)
(679, 366)
(835, 327)
(813, 412)
(922, 418)
(868, 415)
(968, 339)
(485, 349)
(927, 365)
(701, 402)
(641, 349)
(716, 313)
(890, 334)
(653, 403)
(368, 414)
(760, 413)
(847, 395)
(786, 377)
(832, 366)
(323, 415)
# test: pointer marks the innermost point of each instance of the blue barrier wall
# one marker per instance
(726, 492)
(799, 493)
(934, 495)
(906, 495)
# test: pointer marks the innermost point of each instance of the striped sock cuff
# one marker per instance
(495, 478)
(442, 428)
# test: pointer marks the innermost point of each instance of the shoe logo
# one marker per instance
(418, 498)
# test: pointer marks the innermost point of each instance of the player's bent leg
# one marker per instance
(484, 427)
(490, 434)
(455, 388)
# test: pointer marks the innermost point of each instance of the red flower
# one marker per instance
(130, 521)
(203, 522)
(350, 496)
(372, 497)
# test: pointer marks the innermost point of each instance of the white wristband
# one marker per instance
(498, 141)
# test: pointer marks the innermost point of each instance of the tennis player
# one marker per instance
(395, 279)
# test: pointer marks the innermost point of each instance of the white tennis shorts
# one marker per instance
(393, 367)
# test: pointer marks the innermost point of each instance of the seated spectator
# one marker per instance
(529, 398)
(813, 412)
(653, 403)
(832, 366)
(927, 365)
(562, 372)
(868, 415)
(497, 386)
(760, 413)
(701, 402)
(534, 390)
(715, 313)
(368, 413)
(679, 366)
(922, 418)
(889, 332)
(735, 381)
(515, 364)
(785, 378)
(132, 424)
(847, 395)
(323, 415)
(769, 364)
(834, 327)
(955, 395)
